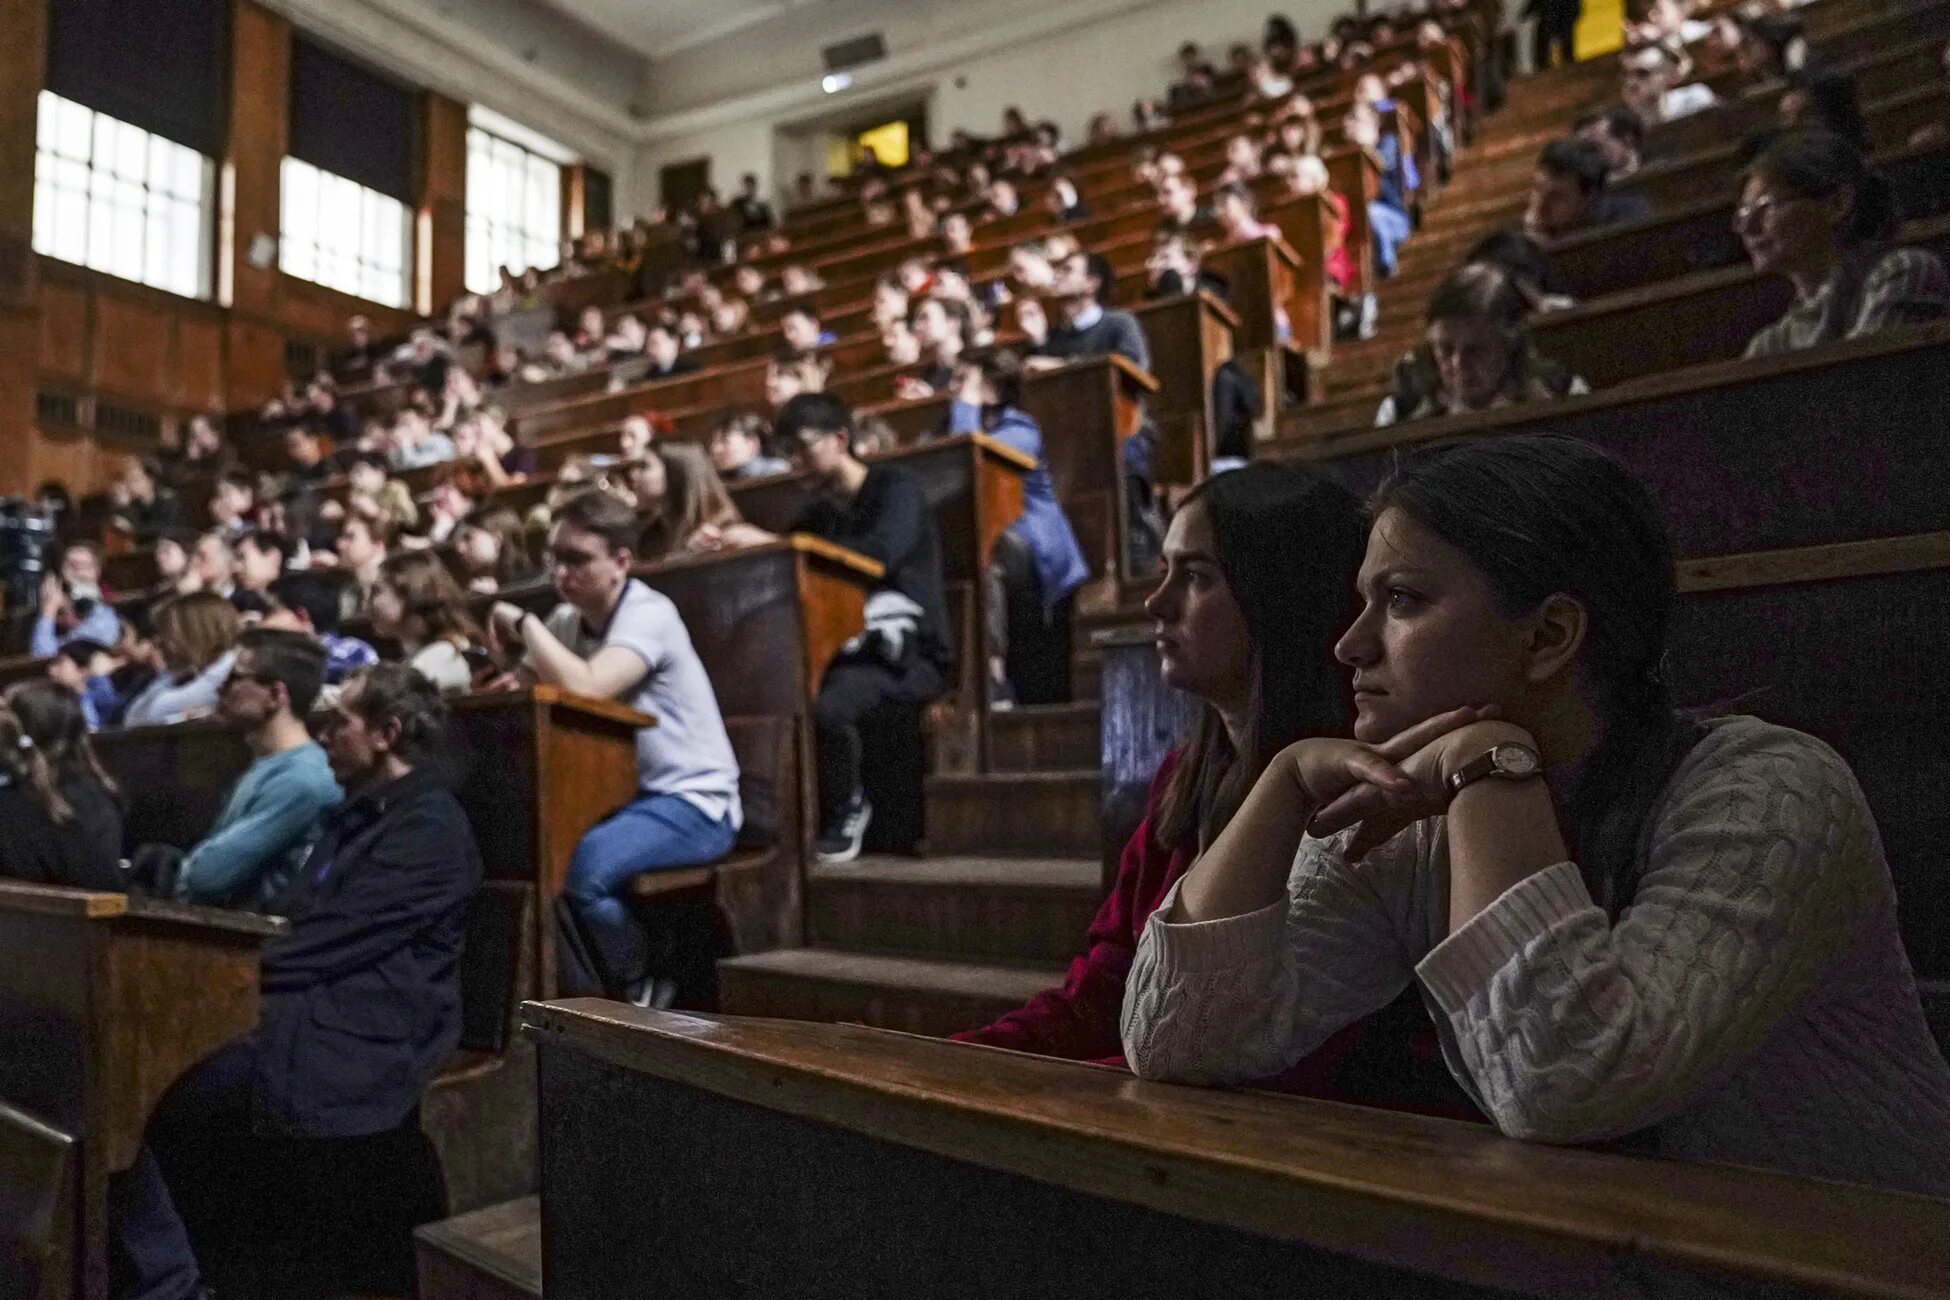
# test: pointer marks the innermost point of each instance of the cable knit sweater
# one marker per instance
(1753, 1004)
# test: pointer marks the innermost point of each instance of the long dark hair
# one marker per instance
(1541, 515)
(51, 717)
(1289, 545)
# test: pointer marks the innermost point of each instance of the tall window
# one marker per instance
(342, 235)
(514, 209)
(113, 197)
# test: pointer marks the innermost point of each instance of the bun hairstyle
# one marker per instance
(1819, 164)
(1540, 515)
(24, 765)
(1289, 545)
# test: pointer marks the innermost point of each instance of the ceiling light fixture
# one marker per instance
(834, 82)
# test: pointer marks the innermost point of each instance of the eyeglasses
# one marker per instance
(1760, 211)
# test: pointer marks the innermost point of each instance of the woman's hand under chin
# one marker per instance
(1426, 756)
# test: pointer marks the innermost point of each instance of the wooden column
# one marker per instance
(248, 211)
(441, 246)
(23, 62)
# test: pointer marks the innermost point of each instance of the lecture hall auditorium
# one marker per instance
(1314, 679)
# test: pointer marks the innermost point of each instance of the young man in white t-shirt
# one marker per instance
(615, 638)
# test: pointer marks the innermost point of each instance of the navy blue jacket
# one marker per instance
(362, 996)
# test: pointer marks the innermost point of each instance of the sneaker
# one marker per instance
(841, 842)
(654, 993)
(1002, 696)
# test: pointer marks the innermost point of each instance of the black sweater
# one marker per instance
(83, 854)
(889, 520)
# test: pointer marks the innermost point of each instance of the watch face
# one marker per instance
(1515, 760)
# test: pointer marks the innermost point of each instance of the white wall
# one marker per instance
(770, 74)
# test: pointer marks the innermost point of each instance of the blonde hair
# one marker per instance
(201, 625)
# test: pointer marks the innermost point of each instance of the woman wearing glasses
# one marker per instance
(1813, 210)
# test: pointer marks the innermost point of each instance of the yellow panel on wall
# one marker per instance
(1601, 28)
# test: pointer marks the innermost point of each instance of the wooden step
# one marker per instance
(1050, 814)
(490, 1254)
(1045, 737)
(905, 993)
(1006, 911)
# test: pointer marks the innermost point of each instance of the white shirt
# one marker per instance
(687, 753)
(1684, 101)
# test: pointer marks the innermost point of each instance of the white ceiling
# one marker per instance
(657, 29)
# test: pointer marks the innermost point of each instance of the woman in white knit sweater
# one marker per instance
(1623, 923)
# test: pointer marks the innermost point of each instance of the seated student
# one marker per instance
(1389, 218)
(1620, 133)
(738, 448)
(492, 549)
(663, 349)
(417, 603)
(313, 601)
(196, 636)
(1037, 564)
(1813, 210)
(1084, 328)
(85, 667)
(614, 637)
(1652, 73)
(143, 505)
(261, 559)
(1064, 200)
(72, 604)
(361, 1007)
(1178, 205)
(1176, 267)
(363, 544)
(60, 813)
(787, 376)
(1237, 213)
(802, 332)
(233, 502)
(941, 327)
(1246, 630)
(1568, 192)
(1628, 924)
(274, 811)
(685, 505)
(903, 655)
(1477, 354)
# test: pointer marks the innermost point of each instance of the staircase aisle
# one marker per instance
(990, 916)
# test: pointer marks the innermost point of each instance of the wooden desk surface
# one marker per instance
(1453, 1199)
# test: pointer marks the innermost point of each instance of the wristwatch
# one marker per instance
(1510, 762)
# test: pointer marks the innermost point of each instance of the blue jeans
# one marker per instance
(653, 832)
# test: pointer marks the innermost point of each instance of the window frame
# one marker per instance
(493, 240)
(138, 206)
(356, 266)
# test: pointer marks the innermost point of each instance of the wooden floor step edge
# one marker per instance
(963, 871)
(503, 1242)
(955, 779)
(918, 974)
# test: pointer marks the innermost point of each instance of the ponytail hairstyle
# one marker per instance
(22, 764)
(1817, 164)
(50, 715)
(1541, 515)
(1289, 545)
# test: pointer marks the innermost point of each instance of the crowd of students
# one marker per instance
(1435, 748)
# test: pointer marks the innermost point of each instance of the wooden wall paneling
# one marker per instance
(64, 330)
(442, 251)
(199, 370)
(260, 99)
(253, 361)
(132, 348)
(20, 330)
(22, 68)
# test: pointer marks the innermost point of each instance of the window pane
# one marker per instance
(514, 200)
(75, 128)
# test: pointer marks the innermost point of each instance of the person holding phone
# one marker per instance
(616, 638)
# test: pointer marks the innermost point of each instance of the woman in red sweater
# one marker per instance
(1258, 584)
